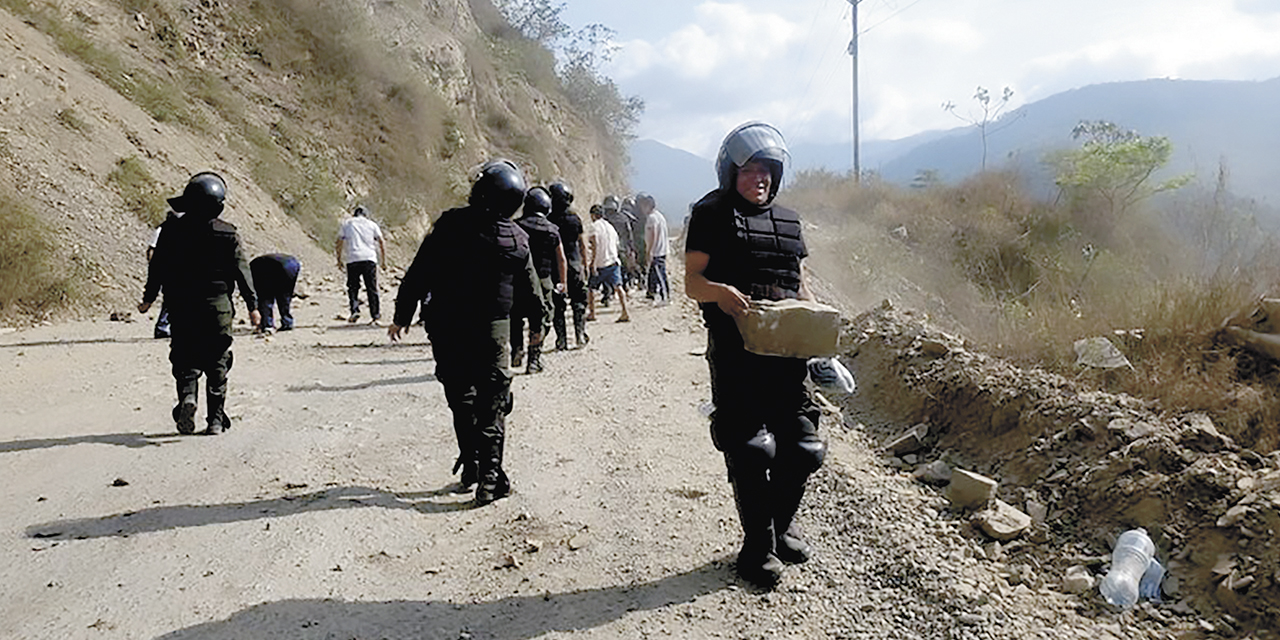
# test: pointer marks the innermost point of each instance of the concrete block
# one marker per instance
(791, 329)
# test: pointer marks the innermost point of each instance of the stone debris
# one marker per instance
(1099, 353)
(936, 473)
(1002, 521)
(969, 490)
(909, 442)
(1199, 433)
(791, 328)
(1078, 579)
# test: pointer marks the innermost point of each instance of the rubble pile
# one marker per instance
(1034, 457)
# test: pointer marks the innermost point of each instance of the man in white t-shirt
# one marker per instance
(603, 247)
(655, 244)
(359, 250)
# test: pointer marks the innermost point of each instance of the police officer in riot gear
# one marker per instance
(474, 264)
(198, 263)
(548, 259)
(741, 246)
(574, 244)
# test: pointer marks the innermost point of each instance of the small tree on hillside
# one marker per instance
(538, 20)
(581, 55)
(986, 122)
(1114, 165)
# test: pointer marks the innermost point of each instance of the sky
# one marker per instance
(703, 67)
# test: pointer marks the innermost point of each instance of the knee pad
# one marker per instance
(756, 453)
(809, 454)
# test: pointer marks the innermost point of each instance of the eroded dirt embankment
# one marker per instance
(1087, 464)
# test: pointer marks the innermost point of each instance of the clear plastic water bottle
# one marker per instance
(1152, 581)
(1129, 561)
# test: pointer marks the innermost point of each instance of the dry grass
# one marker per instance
(1047, 277)
(140, 192)
(31, 281)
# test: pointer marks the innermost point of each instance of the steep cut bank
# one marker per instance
(307, 108)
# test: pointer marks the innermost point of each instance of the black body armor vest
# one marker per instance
(761, 251)
(473, 270)
(544, 237)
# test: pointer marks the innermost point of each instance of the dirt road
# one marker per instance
(328, 510)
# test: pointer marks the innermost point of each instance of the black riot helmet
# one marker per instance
(537, 202)
(204, 196)
(752, 141)
(644, 200)
(561, 196)
(498, 189)
(610, 203)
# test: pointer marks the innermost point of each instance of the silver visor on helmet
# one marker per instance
(753, 140)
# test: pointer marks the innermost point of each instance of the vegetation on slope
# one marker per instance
(323, 110)
(1026, 278)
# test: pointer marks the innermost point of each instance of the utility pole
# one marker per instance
(853, 52)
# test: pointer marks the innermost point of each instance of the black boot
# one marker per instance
(493, 483)
(535, 360)
(580, 329)
(217, 420)
(757, 563)
(184, 413)
(215, 393)
(517, 357)
(790, 546)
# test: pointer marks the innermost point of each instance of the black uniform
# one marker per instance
(764, 421)
(544, 238)
(198, 263)
(575, 293)
(474, 267)
(275, 277)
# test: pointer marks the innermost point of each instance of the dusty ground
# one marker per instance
(328, 510)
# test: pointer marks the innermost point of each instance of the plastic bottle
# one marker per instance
(1129, 561)
(1152, 580)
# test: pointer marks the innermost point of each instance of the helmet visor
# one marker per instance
(755, 140)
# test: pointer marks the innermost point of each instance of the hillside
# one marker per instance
(1234, 122)
(306, 108)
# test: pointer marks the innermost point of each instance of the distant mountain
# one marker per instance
(838, 157)
(674, 177)
(1207, 121)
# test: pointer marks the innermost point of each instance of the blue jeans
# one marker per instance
(658, 285)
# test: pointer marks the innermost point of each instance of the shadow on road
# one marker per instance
(383, 362)
(381, 382)
(131, 440)
(54, 343)
(182, 516)
(511, 618)
(383, 344)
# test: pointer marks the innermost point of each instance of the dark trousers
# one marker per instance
(536, 331)
(366, 270)
(767, 427)
(575, 296)
(276, 288)
(200, 343)
(472, 366)
(658, 285)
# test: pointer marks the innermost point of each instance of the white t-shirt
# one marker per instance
(360, 237)
(606, 243)
(655, 234)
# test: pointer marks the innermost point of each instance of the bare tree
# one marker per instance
(986, 122)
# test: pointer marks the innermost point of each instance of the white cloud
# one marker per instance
(785, 62)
